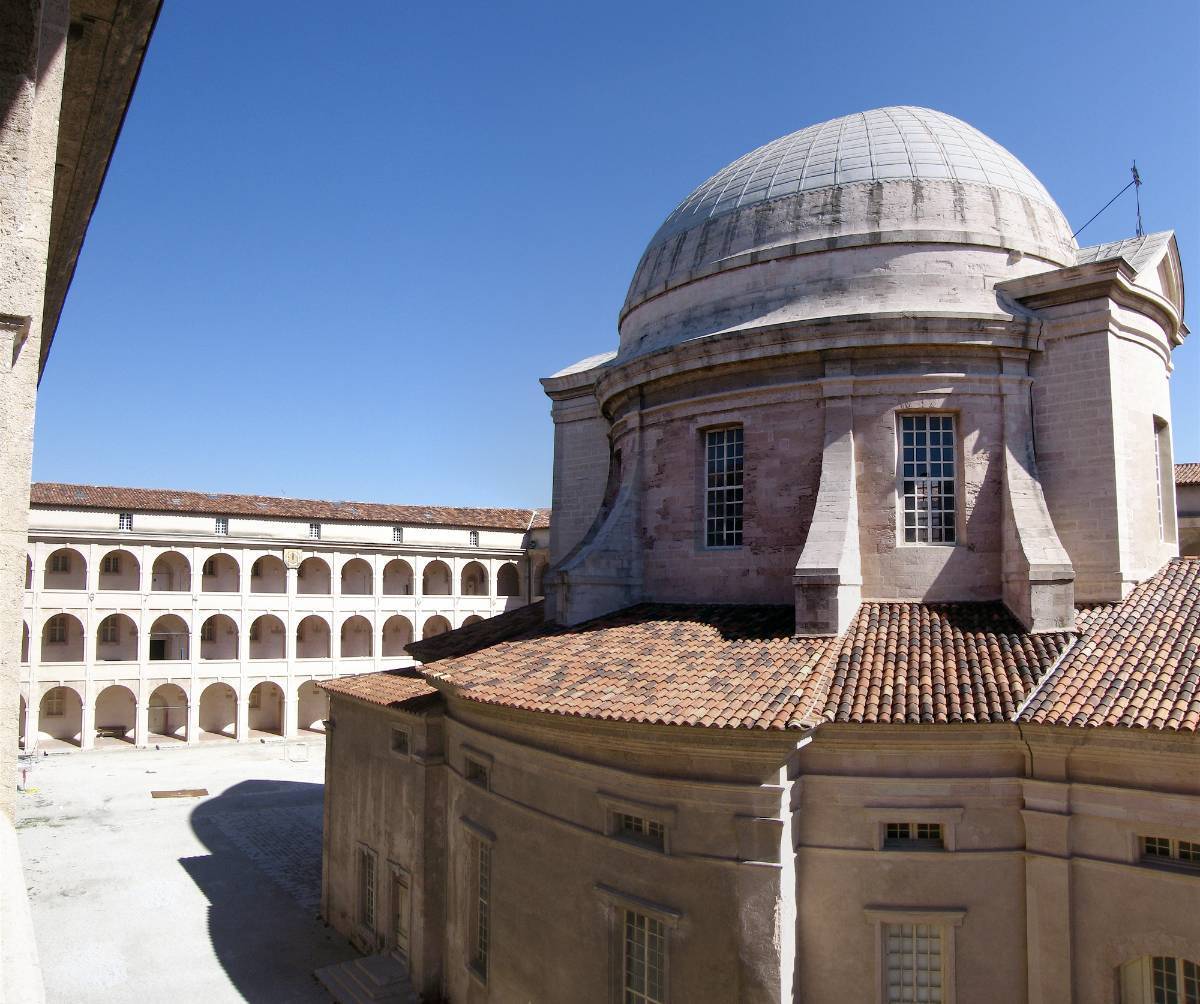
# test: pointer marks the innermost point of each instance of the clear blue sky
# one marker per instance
(338, 245)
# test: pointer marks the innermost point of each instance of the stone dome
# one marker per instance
(896, 175)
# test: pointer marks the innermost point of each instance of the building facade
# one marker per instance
(867, 669)
(153, 617)
(1187, 494)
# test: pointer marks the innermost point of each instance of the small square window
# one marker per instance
(222, 526)
(1156, 847)
(125, 521)
(400, 742)
(477, 773)
(314, 531)
(397, 535)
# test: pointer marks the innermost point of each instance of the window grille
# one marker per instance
(644, 961)
(400, 741)
(724, 462)
(56, 630)
(481, 931)
(314, 531)
(397, 535)
(473, 537)
(914, 963)
(111, 564)
(927, 461)
(366, 888)
(477, 773)
(125, 521)
(649, 832)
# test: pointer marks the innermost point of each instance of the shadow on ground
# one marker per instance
(262, 878)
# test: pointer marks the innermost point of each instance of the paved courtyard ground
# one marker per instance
(181, 900)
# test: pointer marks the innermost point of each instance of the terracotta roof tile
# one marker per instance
(723, 666)
(165, 500)
(1137, 663)
(392, 688)
(525, 620)
(924, 663)
(1187, 474)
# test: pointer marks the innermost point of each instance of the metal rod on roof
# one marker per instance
(1137, 192)
(1107, 204)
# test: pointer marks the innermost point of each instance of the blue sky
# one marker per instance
(335, 252)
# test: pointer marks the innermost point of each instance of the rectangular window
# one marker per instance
(314, 531)
(400, 742)
(913, 954)
(60, 562)
(724, 468)
(473, 538)
(55, 703)
(1168, 851)
(366, 888)
(644, 960)
(110, 631)
(477, 773)
(927, 460)
(1164, 477)
(56, 630)
(208, 630)
(640, 830)
(913, 836)
(401, 909)
(222, 526)
(111, 564)
(210, 567)
(125, 521)
(481, 899)
(397, 535)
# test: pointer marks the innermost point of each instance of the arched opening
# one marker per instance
(120, 570)
(28, 572)
(168, 716)
(357, 578)
(171, 573)
(397, 632)
(266, 709)
(65, 569)
(219, 638)
(436, 625)
(356, 638)
(508, 580)
(1160, 979)
(116, 716)
(539, 579)
(397, 578)
(117, 639)
(25, 643)
(474, 579)
(218, 712)
(60, 716)
(312, 638)
(268, 575)
(473, 619)
(313, 578)
(170, 640)
(312, 707)
(267, 638)
(436, 580)
(62, 639)
(220, 574)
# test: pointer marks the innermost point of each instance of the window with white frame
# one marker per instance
(110, 631)
(111, 565)
(221, 527)
(397, 535)
(473, 538)
(913, 837)
(56, 630)
(1160, 979)
(55, 703)
(125, 521)
(1169, 851)
(314, 531)
(927, 479)
(60, 562)
(913, 960)
(366, 888)
(479, 947)
(643, 959)
(724, 470)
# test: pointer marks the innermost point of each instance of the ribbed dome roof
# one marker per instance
(898, 142)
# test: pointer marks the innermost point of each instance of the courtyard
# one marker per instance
(198, 898)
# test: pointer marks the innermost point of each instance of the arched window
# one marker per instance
(1160, 979)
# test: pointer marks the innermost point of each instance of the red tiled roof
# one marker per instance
(663, 664)
(165, 500)
(924, 663)
(391, 688)
(1187, 474)
(1136, 664)
(524, 620)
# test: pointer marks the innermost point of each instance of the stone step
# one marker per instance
(373, 979)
